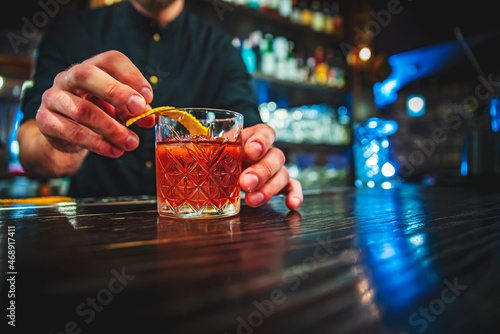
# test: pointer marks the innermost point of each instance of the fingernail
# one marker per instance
(250, 182)
(132, 142)
(136, 104)
(257, 198)
(296, 202)
(255, 150)
(147, 94)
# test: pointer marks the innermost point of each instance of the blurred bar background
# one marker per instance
(364, 93)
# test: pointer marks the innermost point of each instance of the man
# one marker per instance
(90, 78)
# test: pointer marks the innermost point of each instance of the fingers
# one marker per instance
(269, 177)
(122, 69)
(262, 171)
(257, 140)
(293, 193)
(67, 135)
(265, 175)
(112, 77)
(88, 115)
(264, 193)
(278, 184)
(87, 102)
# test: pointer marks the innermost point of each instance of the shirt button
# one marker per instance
(156, 37)
(153, 79)
(149, 164)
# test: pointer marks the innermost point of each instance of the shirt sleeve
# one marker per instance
(235, 91)
(50, 60)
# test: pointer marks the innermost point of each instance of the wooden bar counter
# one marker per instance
(411, 259)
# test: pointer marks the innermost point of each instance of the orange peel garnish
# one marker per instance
(193, 125)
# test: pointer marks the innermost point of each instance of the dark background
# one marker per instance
(420, 23)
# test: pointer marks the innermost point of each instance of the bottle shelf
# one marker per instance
(242, 20)
(311, 147)
(259, 76)
(274, 16)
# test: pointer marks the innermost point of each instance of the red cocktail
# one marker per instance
(197, 175)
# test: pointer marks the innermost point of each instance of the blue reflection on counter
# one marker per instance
(396, 250)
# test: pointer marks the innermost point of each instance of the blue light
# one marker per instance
(417, 240)
(390, 127)
(371, 152)
(415, 105)
(388, 87)
(385, 93)
(14, 147)
(412, 69)
(387, 252)
(388, 170)
(464, 168)
(495, 115)
(358, 183)
(415, 64)
(386, 185)
(342, 110)
(344, 119)
(372, 161)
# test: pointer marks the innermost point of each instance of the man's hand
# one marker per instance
(264, 174)
(87, 103)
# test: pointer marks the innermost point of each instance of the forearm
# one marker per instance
(40, 159)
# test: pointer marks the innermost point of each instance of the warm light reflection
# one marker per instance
(69, 210)
(99, 3)
(365, 54)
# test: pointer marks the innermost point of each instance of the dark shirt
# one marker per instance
(195, 63)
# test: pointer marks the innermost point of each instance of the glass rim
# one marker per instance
(234, 114)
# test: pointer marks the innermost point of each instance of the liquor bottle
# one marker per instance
(318, 18)
(268, 56)
(303, 70)
(327, 12)
(286, 8)
(306, 17)
(311, 65)
(296, 13)
(320, 68)
(339, 69)
(248, 56)
(273, 4)
(338, 20)
(332, 70)
(292, 64)
(280, 48)
(255, 4)
(256, 41)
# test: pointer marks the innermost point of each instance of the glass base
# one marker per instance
(208, 211)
